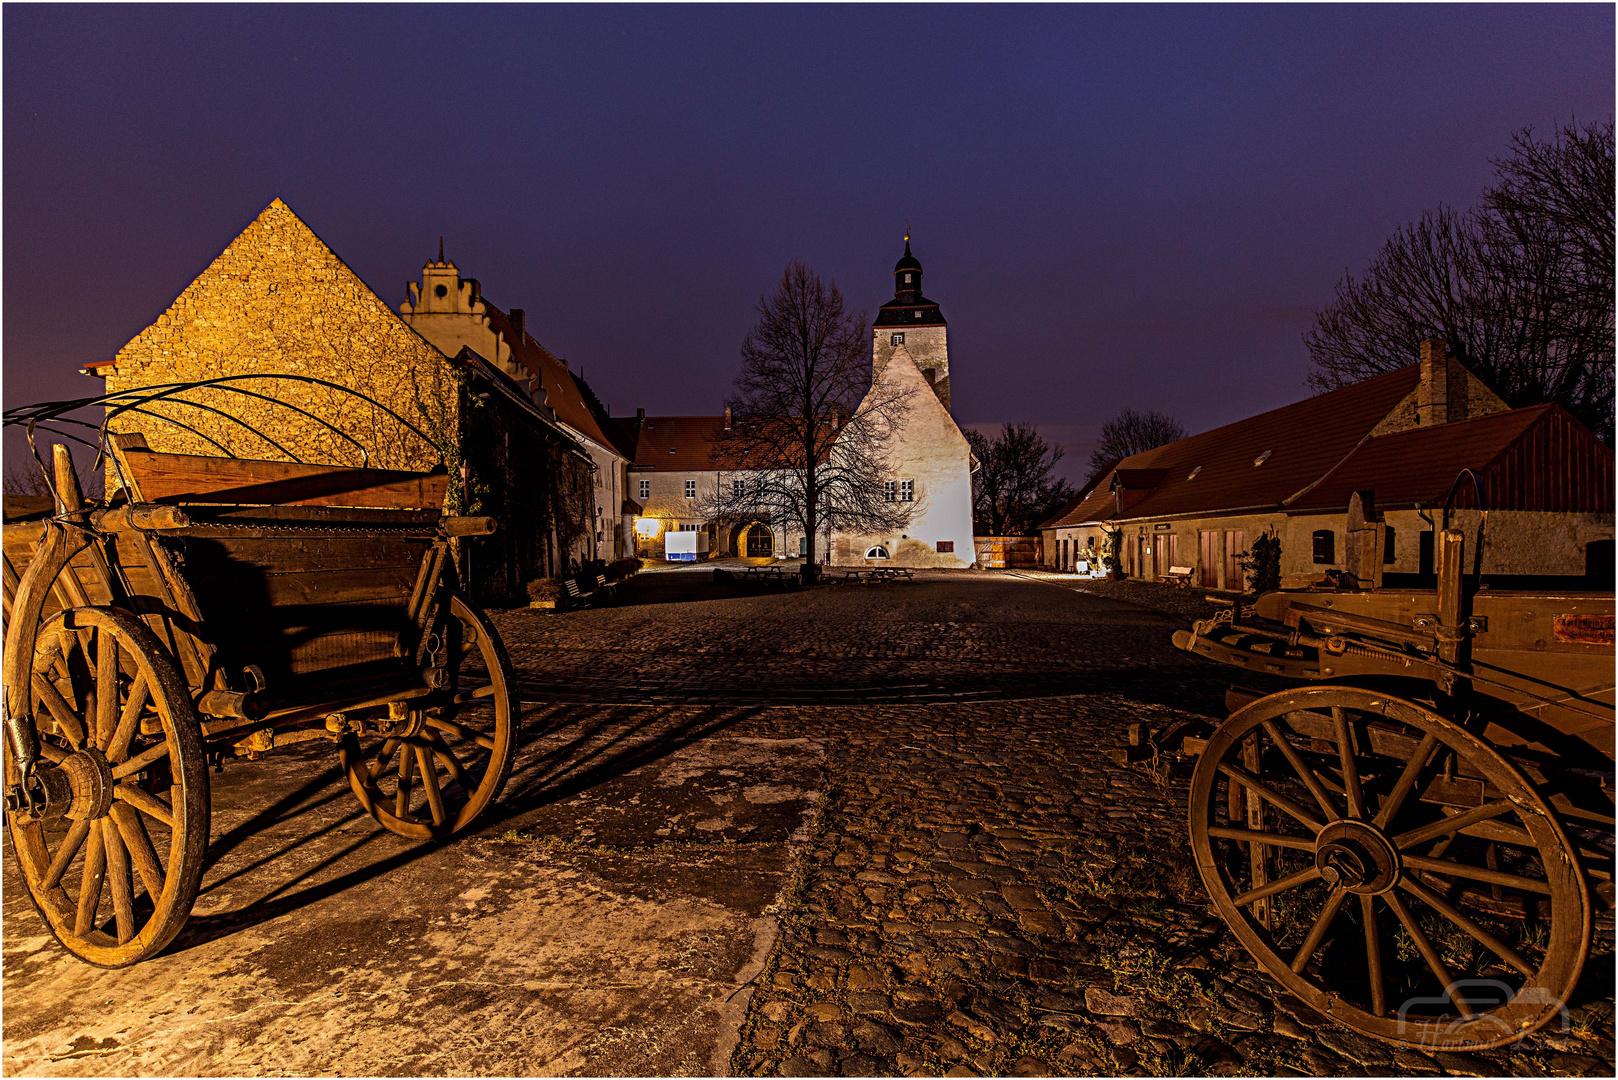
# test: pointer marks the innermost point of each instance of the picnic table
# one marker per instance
(878, 575)
(770, 575)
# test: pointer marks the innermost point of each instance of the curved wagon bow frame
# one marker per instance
(260, 604)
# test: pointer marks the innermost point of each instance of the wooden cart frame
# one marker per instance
(1417, 844)
(214, 607)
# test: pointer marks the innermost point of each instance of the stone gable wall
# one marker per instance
(1480, 401)
(928, 346)
(278, 300)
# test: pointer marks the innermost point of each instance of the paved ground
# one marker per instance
(912, 778)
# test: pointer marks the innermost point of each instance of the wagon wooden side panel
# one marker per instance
(222, 607)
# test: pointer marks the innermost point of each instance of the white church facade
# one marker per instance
(929, 465)
(931, 461)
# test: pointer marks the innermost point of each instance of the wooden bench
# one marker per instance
(575, 592)
(608, 589)
(1179, 576)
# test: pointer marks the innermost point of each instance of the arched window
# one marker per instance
(878, 552)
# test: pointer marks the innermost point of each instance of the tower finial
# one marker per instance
(907, 232)
(440, 248)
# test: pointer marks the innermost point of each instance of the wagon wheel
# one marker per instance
(436, 771)
(1365, 849)
(116, 876)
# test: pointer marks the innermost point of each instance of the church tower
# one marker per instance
(915, 322)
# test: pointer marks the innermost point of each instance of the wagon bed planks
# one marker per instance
(193, 479)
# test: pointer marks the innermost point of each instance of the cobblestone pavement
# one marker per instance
(985, 891)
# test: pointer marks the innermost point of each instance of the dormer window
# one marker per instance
(918, 314)
(1262, 458)
(898, 339)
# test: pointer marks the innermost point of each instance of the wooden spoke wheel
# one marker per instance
(1389, 868)
(441, 765)
(116, 875)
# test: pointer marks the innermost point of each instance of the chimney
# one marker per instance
(727, 417)
(1441, 394)
(640, 416)
(516, 321)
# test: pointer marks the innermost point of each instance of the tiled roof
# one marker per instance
(1299, 444)
(1090, 485)
(562, 394)
(677, 443)
(1420, 466)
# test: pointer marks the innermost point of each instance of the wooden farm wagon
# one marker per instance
(219, 606)
(1418, 842)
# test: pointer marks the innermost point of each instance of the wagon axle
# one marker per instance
(1358, 857)
(80, 788)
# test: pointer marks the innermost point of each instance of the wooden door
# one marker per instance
(1235, 545)
(1208, 559)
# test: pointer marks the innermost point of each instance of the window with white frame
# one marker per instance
(898, 339)
(645, 489)
(907, 491)
(690, 489)
(890, 490)
(736, 487)
(878, 552)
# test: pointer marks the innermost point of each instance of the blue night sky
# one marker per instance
(1115, 205)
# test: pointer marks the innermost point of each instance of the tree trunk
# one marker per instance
(811, 562)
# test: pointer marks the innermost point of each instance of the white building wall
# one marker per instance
(929, 449)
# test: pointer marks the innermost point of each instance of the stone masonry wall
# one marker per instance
(928, 346)
(279, 300)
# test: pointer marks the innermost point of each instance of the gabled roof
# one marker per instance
(677, 443)
(1215, 471)
(1536, 458)
(562, 394)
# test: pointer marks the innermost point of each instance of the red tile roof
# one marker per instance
(1320, 453)
(1572, 473)
(1303, 441)
(677, 443)
(562, 394)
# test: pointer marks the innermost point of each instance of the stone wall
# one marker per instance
(928, 348)
(278, 300)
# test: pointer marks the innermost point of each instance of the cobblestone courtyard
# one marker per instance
(986, 891)
(849, 830)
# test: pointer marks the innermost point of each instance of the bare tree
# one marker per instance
(1132, 432)
(1521, 286)
(810, 436)
(1013, 490)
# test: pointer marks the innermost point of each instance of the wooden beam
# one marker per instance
(189, 478)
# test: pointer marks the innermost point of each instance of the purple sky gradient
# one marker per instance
(1116, 206)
